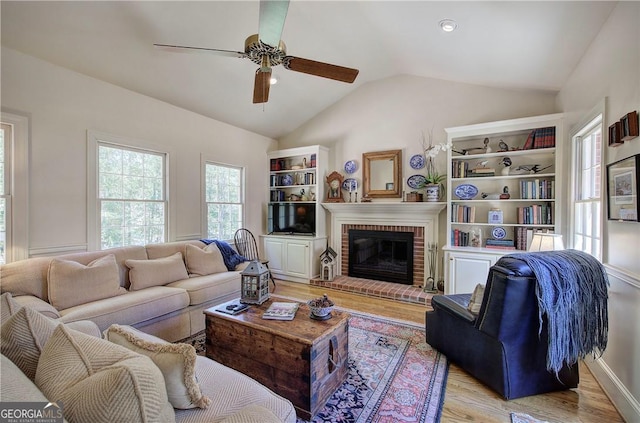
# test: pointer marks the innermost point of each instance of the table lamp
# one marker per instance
(546, 242)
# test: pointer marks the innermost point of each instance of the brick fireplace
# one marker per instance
(419, 218)
(417, 250)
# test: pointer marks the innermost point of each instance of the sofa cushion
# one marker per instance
(26, 277)
(23, 336)
(131, 308)
(166, 249)
(175, 361)
(155, 272)
(206, 288)
(476, 299)
(72, 283)
(8, 307)
(204, 262)
(101, 382)
(252, 414)
(232, 391)
(38, 305)
(15, 385)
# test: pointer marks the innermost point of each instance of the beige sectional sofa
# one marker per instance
(161, 289)
(129, 376)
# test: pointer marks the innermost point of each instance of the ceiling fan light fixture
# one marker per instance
(448, 25)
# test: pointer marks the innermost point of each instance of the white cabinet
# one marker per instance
(294, 258)
(464, 270)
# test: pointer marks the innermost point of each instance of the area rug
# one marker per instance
(394, 375)
(524, 418)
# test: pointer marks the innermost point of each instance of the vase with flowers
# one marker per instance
(433, 182)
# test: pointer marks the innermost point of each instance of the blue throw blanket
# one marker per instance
(229, 255)
(572, 293)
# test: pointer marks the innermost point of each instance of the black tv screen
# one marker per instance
(291, 218)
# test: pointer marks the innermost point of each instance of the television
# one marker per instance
(291, 218)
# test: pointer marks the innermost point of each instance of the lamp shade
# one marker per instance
(546, 242)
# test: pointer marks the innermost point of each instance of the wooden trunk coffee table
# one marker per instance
(304, 360)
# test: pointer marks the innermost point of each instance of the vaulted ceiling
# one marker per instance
(523, 45)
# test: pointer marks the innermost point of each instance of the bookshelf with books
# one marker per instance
(499, 194)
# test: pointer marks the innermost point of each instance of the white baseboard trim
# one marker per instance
(622, 399)
(54, 251)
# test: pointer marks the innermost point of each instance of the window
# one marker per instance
(587, 173)
(5, 192)
(132, 204)
(224, 186)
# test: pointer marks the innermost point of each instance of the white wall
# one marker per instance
(63, 105)
(611, 69)
(393, 113)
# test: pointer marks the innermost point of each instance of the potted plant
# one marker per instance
(433, 184)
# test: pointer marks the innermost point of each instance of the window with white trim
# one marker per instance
(6, 137)
(132, 200)
(224, 200)
(587, 170)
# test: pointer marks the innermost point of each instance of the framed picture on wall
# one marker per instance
(623, 178)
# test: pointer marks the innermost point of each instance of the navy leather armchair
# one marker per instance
(501, 346)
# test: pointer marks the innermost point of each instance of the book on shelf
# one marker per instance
(472, 174)
(479, 170)
(281, 311)
(500, 242)
(500, 247)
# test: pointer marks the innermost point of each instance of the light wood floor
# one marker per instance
(466, 399)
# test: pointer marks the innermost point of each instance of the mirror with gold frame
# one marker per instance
(382, 174)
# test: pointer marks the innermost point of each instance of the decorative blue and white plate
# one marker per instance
(287, 179)
(466, 191)
(416, 181)
(498, 232)
(350, 182)
(416, 161)
(350, 166)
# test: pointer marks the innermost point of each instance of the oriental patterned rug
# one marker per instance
(394, 375)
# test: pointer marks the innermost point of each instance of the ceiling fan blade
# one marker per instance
(272, 16)
(187, 49)
(325, 70)
(261, 85)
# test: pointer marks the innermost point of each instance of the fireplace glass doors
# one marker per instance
(381, 255)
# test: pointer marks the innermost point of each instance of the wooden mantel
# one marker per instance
(376, 207)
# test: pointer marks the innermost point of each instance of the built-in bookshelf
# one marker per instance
(501, 188)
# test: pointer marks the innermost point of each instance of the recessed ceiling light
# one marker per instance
(448, 25)
(273, 80)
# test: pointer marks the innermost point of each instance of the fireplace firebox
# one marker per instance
(381, 255)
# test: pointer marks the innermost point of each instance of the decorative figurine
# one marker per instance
(334, 194)
(533, 169)
(505, 193)
(503, 146)
(506, 162)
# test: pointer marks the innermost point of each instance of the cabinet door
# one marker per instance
(274, 249)
(466, 271)
(297, 254)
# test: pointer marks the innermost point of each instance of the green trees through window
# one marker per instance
(224, 200)
(131, 196)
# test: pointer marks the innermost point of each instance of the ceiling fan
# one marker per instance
(267, 50)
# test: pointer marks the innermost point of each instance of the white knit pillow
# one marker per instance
(156, 272)
(176, 362)
(98, 381)
(72, 283)
(204, 261)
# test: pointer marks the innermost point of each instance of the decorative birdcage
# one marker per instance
(254, 288)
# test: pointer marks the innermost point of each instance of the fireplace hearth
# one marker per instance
(381, 255)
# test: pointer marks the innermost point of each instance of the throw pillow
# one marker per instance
(204, 261)
(23, 336)
(476, 299)
(176, 362)
(72, 283)
(156, 272)
(8, 307)
(101, 382)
